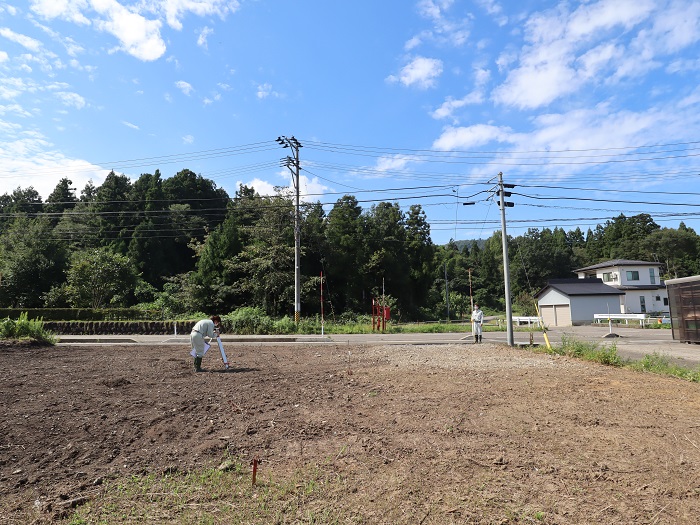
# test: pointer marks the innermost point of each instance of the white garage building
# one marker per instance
(567, 302)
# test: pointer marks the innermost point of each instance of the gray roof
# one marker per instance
(618, 262)
(575, 286)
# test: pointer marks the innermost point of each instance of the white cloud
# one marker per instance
(453, 31)
(174, 10)
(185, 87)
(265, 90)
(393, 163)
(421, 71)
(261, 187)
(565, 50)
(28, 159)
(72, 47)
(188, 139)
(16, 109)
(3, 56)
(130, 125)
(447, 109)
(309, 189)
(27, 42)
(203, 35)
(472, 136)
(71, 99)
(139, 36)
(69, 10)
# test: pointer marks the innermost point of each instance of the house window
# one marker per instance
(652, 277)
(665, 301)
(633, 275)
(609, 277)
(642, 304)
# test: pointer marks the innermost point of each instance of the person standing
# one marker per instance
(477, 321)
(204, 328)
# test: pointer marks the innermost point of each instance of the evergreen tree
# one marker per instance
(32, 261)
(345, 234)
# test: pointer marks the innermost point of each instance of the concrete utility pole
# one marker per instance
(292, 163)
(447, 295)
(504, 237)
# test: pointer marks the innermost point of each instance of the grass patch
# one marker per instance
(588, 351)
(214, 496)
(607, 355)
(661, 364)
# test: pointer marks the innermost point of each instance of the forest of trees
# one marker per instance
(180, 245)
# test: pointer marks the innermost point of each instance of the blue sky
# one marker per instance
(591, 108)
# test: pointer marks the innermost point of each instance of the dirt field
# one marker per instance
(421, 434)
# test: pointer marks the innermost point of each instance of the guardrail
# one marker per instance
(527, 320)
(643, 319)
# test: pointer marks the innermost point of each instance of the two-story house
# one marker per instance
(645, 292)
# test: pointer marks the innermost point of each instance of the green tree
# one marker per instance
(32, 261)
(386, 268)
(264, 267)
(19, 203)
(421, 252)
(100, 277)
(345, 234)
(113, 212)
(677, 249)
(62, 198)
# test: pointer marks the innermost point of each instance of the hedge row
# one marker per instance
(118, 327)
(81, 314)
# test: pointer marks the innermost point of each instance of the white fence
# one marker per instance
(643, 319)
(527, 320)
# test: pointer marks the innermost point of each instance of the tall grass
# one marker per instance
(25, 328)
(661, 364)
(588, 351)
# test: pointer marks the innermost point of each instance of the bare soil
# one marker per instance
(421, 434)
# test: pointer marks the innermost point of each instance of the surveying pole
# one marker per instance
(504, 237)
(292, 163)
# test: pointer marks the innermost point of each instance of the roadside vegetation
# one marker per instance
(607, 355)
(26, 329)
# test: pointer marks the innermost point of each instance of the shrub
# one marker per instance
(25, 328)
(248, 321)
(284, 326)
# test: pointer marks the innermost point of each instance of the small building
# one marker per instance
(684, 302)
(641, 282)
(567, 302)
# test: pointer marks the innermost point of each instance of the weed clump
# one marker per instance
(25, 328)
(588, 351)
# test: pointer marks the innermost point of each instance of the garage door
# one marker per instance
(556, 315)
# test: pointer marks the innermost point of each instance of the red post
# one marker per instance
(255, 467)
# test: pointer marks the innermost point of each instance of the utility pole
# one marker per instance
(447, 295)
(504, 237)
(292, 163)
(471, 297)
